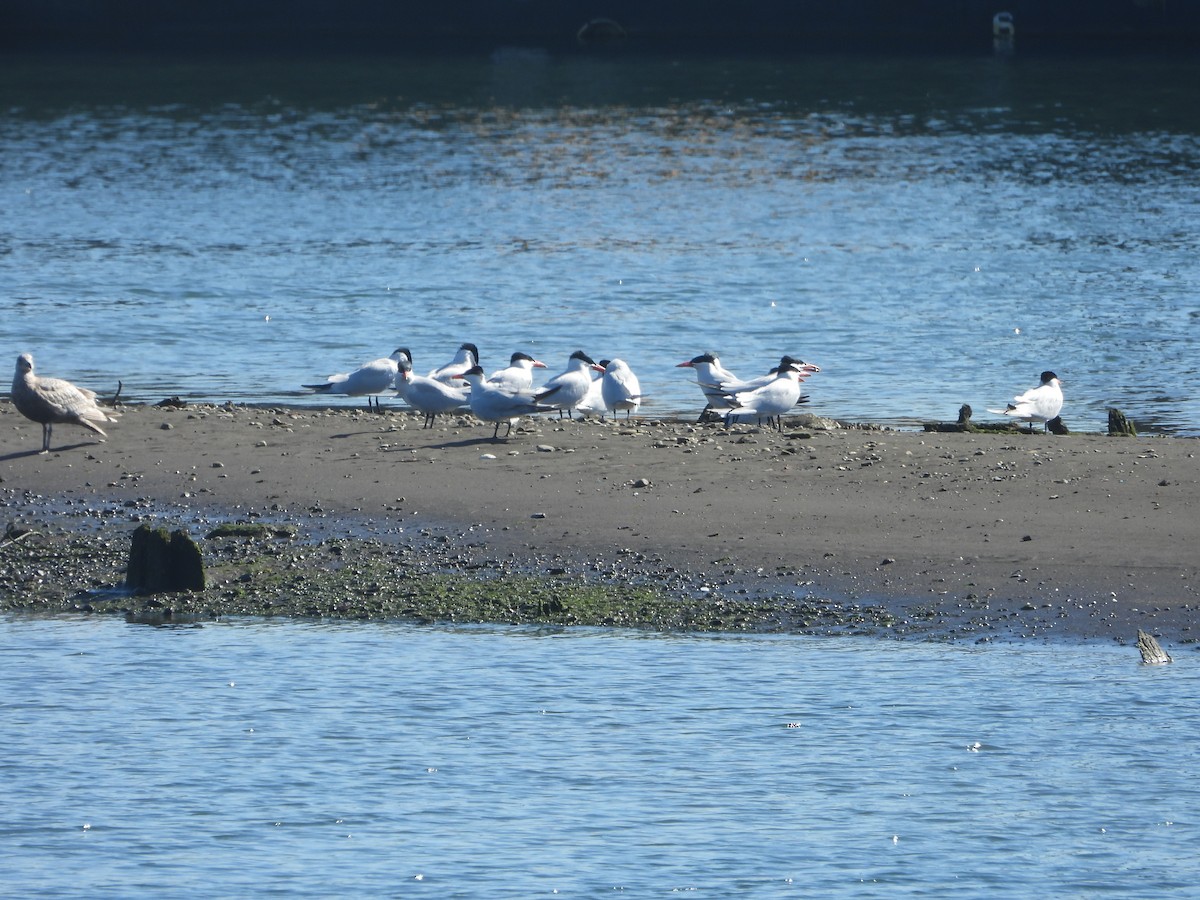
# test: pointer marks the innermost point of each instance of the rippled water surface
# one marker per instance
(253, 758)
(931, 232)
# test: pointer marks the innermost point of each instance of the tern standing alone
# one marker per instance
(51, 401)
(1040, 404)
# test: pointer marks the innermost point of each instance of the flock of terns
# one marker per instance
(504, 396)
(584, 386)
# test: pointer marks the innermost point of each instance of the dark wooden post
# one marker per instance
(162, 563)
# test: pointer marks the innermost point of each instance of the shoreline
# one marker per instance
(944, 535)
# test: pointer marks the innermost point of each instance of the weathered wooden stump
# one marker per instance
(1152, 653)
(1118, 425)
(162, 563)
(1057, 426)
(964, 423)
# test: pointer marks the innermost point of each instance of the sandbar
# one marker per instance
(1078, 536)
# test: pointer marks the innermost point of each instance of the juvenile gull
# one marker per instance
(53, 400)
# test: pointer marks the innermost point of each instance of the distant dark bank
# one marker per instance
(564, 26)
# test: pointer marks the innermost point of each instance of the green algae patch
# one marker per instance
(368, 579)
(372, 586)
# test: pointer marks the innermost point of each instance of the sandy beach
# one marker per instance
(1023, 535)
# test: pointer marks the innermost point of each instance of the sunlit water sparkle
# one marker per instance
(930, 232)
(257, 758)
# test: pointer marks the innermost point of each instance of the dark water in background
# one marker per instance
(240, 759)
(930, 231)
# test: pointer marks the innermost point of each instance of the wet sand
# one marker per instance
(1079, 536)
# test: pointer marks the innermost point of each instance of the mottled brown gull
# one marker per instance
(53, 400)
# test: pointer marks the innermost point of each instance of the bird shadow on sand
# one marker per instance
(63, 449)
(487, 441)
(350, 434)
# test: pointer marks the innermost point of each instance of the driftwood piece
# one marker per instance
(162, 563)
(1118, 425)
(1152, 653)
(964, 423)
(15, 533)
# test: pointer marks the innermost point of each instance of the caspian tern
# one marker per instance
(718, 383)
(466, 357)
(51, 401)
(709, 375)
(802, 368)
(368, 380)
(620, 388)
(430, 396)
(493, 404)
(1040, 404)
(770, 401)
(518, 375)
(593, 403)
(565, 390)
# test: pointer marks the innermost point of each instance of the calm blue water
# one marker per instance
(931, 232)
(253, 758)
